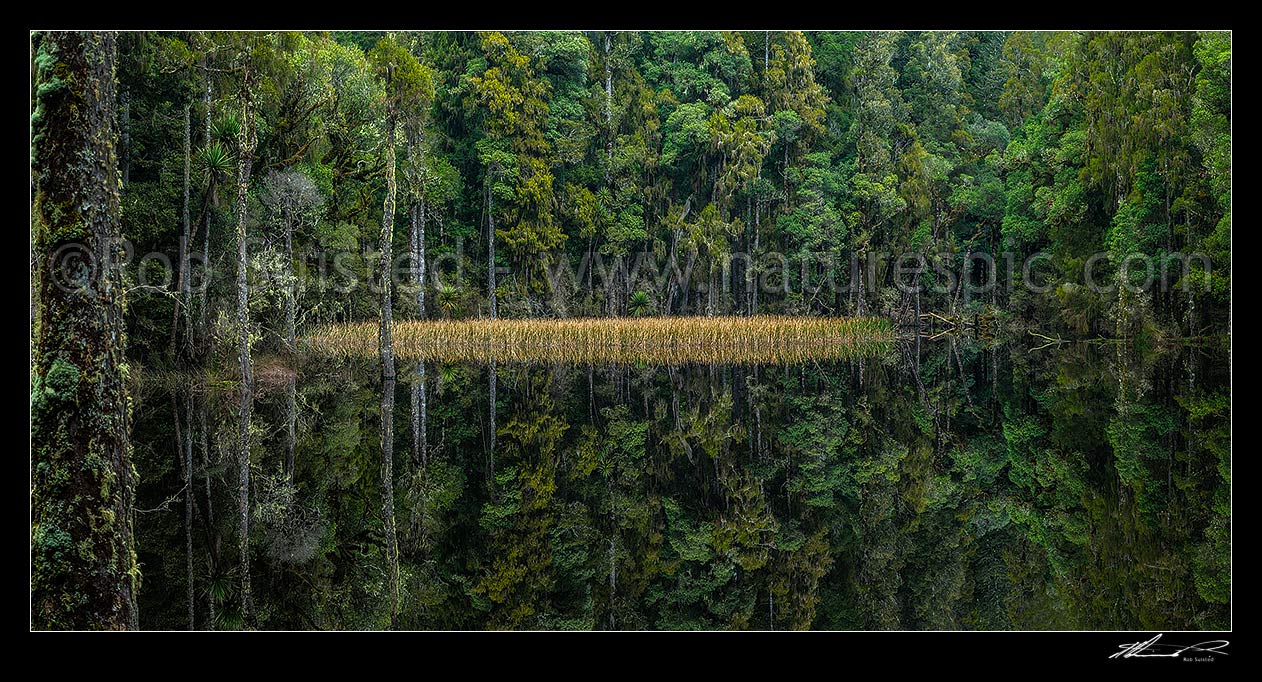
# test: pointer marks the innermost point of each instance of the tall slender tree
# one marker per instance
(245, 159)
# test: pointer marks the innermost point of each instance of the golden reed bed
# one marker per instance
(651, 340)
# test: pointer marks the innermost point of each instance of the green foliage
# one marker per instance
(959, 494)
(1137, 435)
(639, 304)
(836, 144)
(216, 161)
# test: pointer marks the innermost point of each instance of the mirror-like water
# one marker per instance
(944, 485)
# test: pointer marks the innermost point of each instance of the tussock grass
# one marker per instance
(651, 340)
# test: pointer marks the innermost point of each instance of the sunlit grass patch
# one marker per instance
(653, 340)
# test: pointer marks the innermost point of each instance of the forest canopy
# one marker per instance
(561, 174)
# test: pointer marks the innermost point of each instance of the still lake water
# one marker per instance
(950, 484)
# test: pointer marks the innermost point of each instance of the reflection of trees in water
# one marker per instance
(996, 488)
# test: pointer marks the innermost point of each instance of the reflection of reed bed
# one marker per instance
(270, 372)
(662, 340)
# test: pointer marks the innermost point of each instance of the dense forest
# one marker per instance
(1070, 187)
(535, 149)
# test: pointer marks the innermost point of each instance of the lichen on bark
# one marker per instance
(84, 573)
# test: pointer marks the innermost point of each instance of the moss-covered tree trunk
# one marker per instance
(206, 139)
(182, 302)
(387, 253)
(291, 343)
(245, 160)
(387, 370)
(387, 498)
(416, 155)
(84, 573)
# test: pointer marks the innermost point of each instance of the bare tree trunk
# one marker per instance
(206, 275)
(493, 405)
(186, 244)
(673, 289)
(419, 240)
(591, 256)
(416, 416)
(747, 263)
(753, 309)
(491, 411)
(188, 504)
(291, 424)
(918, 269)
(81, 471)
(861, 303)
(613, 580)
(291, 294)
(609, 134)
(291, 344)
(387, 497)
(424, 418)
(210, 513)
(490, 245)
(711, 285)
(420, 431)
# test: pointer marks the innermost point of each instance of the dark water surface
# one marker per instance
(951, 484)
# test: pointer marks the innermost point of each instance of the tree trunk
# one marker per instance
(387, 255)
(291, 344)
(420, 431)
(291, 294)
(591, 242)
(245, 159)
(490, 245)
(918, 269)
(210, 512)
(491, 411)
(181, 303)
(418, 238)
(387, 372)
(387, 497)
(613, 575)
(126, 116)
(753, 307)
(188, 504)
(710, 287)
(206, 99)
(205, 294)
(861, 306)
(609, 132)
(84, 573)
